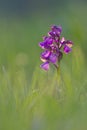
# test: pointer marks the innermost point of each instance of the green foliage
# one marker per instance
(51, 101)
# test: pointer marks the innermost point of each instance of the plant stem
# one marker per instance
(58, 74)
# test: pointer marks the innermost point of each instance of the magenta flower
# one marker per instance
(54, 46)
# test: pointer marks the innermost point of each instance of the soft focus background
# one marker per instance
(31, 99)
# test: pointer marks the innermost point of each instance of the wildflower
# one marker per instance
(54, 46)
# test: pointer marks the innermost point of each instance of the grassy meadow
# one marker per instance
(30, 98)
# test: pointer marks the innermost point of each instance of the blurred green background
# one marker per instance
(31, 99)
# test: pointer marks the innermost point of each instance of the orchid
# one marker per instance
(54, 46)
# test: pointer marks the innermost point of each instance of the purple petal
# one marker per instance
(45, 66)
(67, 49)
(55, 33)
(45, 54)
(52, 34)
(53, 58)
(49, 40)
(57, 29)
(44, 45)
(41, 44)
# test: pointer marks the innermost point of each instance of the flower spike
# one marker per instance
(54, 46)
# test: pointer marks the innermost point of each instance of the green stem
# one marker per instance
(58, 74)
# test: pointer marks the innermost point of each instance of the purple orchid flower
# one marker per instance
(54, 47)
